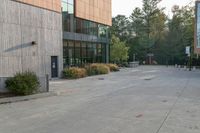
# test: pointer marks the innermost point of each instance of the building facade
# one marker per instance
(197, 29)
(85, 31)
(46, 35)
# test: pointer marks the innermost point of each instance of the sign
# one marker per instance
(150, 54)
(187, 50)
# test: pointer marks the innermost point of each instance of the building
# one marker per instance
(197, 29)
(85, 31)
(46, 35)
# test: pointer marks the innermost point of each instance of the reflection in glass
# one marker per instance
(79, 53)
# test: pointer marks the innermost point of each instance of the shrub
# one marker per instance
(123, 64)
(23, 83)
(113, 67)
(74, 73)
(97, 69)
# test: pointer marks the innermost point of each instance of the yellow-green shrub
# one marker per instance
(97, 69)
(74, 73)
(113, 67)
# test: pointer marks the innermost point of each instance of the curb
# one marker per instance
(26, 98)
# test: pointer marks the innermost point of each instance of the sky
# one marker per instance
(125, 7)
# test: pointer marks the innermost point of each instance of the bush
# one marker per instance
(97, 69)
(113, 67)
(74, 73)
(23, 83)
(124, 64)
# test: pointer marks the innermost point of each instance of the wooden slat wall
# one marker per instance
(54, 5)
(94, 10)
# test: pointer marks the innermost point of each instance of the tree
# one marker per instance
(119, 51)
(148, 26)
(137, 22)
(152, 26)
(180, 34)
(119, 27)
(149, 30)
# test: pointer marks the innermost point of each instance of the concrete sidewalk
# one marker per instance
(147, 99)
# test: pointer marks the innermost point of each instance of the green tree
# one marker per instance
(180, 34)
(120, 27)
(148, 26)
(152, 26)
(149, 30)
(119, 50)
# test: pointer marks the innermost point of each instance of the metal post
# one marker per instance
(47, 82)
(190, 61)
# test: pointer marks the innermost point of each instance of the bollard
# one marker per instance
(179, 67)
(47, 82)
(193, 68)
(185, 68)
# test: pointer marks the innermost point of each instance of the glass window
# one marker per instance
(103, 52)
(78, 26)
(94, 50)
(64, 7)
(71, 53)
(71, 2)
(99, 53)
(68, 16)
(77, 55)
(66, 22)
(102, 30)
(70, 9)
(64, 1)
(84, 52)
(65, 54)
(89, 53)
(77, 50)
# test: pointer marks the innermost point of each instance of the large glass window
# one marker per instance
(71, 53)
(103, 31)
(64, 7)
(70, 9)
(84, 52)
(71, 2)
(103, 52)
(77, 25)
(65, 54)
(89, 53)
(78, 53)
(99, 53)
(68, 15)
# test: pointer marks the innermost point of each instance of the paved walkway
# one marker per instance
(146, 99)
